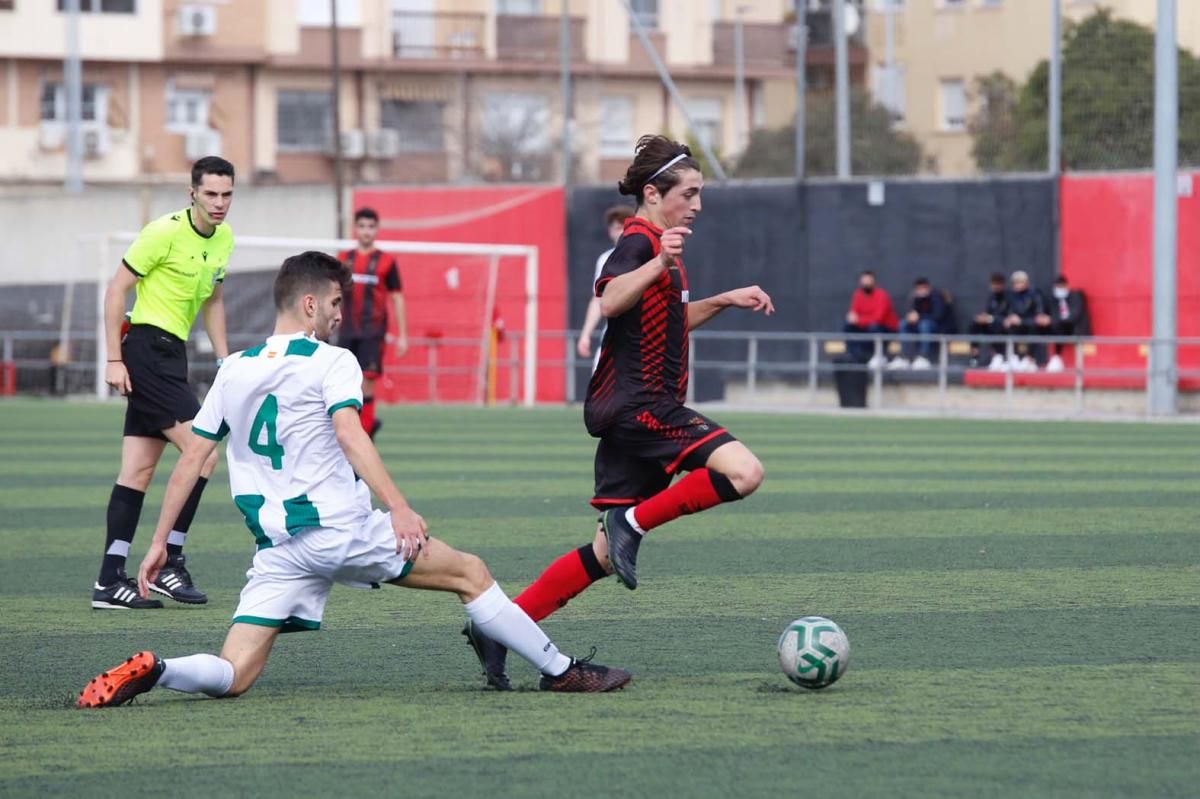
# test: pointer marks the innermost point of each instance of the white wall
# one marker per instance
(42, 225)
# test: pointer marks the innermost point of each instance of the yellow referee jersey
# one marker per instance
(179, 269)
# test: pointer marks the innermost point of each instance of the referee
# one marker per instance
(177, 266)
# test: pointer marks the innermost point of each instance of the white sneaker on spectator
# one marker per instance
(876, 362)
(921, 362)
(1028, 364)
(898, 363)
(998, 364)
(1055, 364)
(1014, 363)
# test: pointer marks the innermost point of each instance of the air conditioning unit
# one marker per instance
(52, 135)
(196, 20)
(96, 142)
(353, 144)
(384, 143)
(199, 143)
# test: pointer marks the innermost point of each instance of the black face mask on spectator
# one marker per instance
(867, 289)
(998, 292)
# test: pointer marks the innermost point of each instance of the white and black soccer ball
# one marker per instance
(814, 652)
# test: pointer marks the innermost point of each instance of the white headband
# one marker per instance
(667, 166)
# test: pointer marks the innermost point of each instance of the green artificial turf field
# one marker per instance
(1022, 601)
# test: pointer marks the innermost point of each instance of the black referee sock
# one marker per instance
(124, 509)
(179, 532)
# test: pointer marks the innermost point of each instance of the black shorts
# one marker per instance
(369, 352)
(158, 371)
(638, 456)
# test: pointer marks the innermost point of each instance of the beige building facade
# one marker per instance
(430, 90)
(942, 46)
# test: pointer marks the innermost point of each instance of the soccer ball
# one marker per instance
(813, 652)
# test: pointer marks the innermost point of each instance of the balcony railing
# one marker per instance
(448, 35)
(532, 38)
(773, 44)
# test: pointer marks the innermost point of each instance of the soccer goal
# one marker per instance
(457, 297)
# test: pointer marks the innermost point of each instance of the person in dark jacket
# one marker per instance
(990, 322)
(1025, 305)
(927, 314)
(1066, 316)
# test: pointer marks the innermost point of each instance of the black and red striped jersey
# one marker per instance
(644, 357)
(365, 308)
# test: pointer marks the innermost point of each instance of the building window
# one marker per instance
(421, 125)
(616, 127)
(102, 6)
(94, 108)
(706, 116)
(953, 3)
(304, 120)
(888, 5)
(954, 105)
(516, 122)
(991, 3)
(889, 90)
(646, 12)
(519, 8)
(187, 109)
(315, 13)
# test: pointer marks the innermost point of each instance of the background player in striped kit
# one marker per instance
(377, 285)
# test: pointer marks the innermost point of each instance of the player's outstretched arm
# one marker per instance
(196, 450)
(751, 297)
(360, 451)
(214, 321)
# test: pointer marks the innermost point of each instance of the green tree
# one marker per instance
(1107, 104)
(875, 147)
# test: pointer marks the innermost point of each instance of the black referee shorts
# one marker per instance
(638, 456)
(369, 352)
(158, 370)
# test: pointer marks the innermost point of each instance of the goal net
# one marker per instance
(472, 315)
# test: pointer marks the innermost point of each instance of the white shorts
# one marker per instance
(289, 583)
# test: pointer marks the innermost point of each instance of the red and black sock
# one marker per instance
(696, 491)
(562, 581)
(368, 415)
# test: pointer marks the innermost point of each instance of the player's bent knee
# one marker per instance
(746, 474)
(476, 576)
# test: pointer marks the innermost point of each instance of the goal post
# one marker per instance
(474, 278)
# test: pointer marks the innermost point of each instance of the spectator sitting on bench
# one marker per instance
(1025, 305)
(870, 311)
(990, 322)
(926, 315)
(1066, 316)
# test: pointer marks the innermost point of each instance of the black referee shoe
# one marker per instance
(623, 543)
(175, 582)
(121, 595)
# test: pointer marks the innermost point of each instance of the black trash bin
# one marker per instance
(850, 378)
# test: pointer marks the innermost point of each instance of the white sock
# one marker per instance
(176, 538)
(502, 620)
(629, 517)
(198, 674)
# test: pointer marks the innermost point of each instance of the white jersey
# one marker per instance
(287, 471)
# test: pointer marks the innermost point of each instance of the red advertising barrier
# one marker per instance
(1107, 249)
(447, 297)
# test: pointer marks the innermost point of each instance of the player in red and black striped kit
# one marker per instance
(636, 395)
(365, 309)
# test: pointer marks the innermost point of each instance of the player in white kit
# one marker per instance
(289, 411)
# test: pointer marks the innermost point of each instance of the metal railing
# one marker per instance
(801, 365)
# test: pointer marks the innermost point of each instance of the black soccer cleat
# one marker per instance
(491, 654)
(585, 677)
(623, 543)
(137, 675)
(121, 595)
(175, 582)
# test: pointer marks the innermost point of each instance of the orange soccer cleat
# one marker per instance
(122, 683)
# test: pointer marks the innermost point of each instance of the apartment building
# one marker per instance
(430, 90)
(940, 47)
